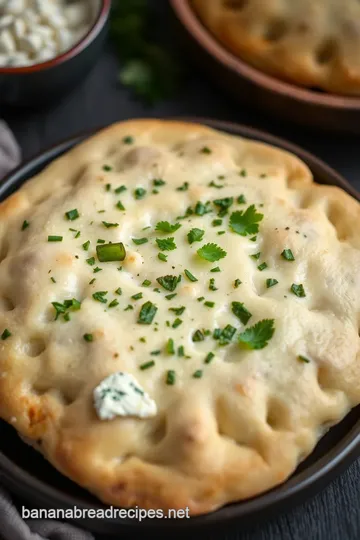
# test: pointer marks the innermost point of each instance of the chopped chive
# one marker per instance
(287, 254)
(91, 261)
(77, 234)
(55, 238)
(170, 296)
(108, 187)
(170, 349)
(53, 279)
(303, 359)
(181, 350)
(209, 304)
(88, 337)
(100, 296)
(256, 256)
(118, 291)
(201, 298)
(101, 241)
(140, 241)
(177, 323)
(120, 189)
(137, 296)
(178, 311)
(253, 239)
(156, 352)
(240, 311)
(190, 276)
(109, 225)
(147, 313)
(72, 214)
(25, 225)
(159, 182)
(216, 222)
(146, 283)
(129, 307)
(147, 365)
(92, 281)
(198, 336)
(111, 252)
(6, 334)
(271, 282)
(107, 168)
(216, 269)
(113, 303)
(198, 374)
(162, 257)
(170, 377)
(212, 285)
(210, 356)
(120, 206)
(97, 269)
(262, 266)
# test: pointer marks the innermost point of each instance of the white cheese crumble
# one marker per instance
(34, 31)
(121, 395)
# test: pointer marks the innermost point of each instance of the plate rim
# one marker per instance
(199, 32)
(322, 471)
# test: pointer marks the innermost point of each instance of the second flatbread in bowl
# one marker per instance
(179, 314)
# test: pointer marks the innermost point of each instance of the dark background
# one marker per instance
(335, 513)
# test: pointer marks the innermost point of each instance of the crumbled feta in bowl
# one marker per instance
(35, 31)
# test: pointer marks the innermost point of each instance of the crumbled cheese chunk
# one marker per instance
(121, 395)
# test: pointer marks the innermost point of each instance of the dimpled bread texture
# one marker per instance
(241, 428)
(306, 42)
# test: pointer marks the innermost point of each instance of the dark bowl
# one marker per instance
(38, 484)
(281, 99)
(44, 83)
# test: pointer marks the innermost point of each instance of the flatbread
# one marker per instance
(231, 421)
(312, 44)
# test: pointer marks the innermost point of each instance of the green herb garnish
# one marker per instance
(303, 359)
(202, 209)
(205, 150)
(287, 254)
(162, 257)
(240, 311)
(170, 296)
(211, 252)
(170, 377)
(170, 349)
(166, 227)
(25, 225)
(6, 334)
(147, 365)
(166, 244)
(168, 282)
(146, 283)
(209, 357)
(195, 235)
(298, 290)
(139, 193)
(88, 337)
(72, 214)
(55, 238)
(190, 276)
(241, 199)
(120, 189)
(100, 296)
(271, 282)
(111, 252)
(120, 206)
(237, 282)
(109, 225)
(247, 222)
(147, 313)
(140, 241)
(91, 261)
(198, 374)
(184, 187)
(257, 336)
(223, 205)
(113, 303)
(178, 311)
(177, 323)
(198, 336)
(262, 266)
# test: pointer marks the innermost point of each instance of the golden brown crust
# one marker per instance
(241, 429)
(313, 44)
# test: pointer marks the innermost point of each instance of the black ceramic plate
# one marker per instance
(33, 479)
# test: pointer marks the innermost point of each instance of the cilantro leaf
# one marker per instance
(166, 244)
(166, 227)
(244, 223)
(298, 290)
(240, 311)
(211, 252)
(195, 235)
(257, 336)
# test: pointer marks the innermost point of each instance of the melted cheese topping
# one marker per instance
(244, 400)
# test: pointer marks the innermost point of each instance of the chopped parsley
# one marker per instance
(25, 225)
(184, 187)
(298, 290)
(178, 311)
(147, 365)
(147, 313)
(6, 334)
(162, 257)
(247, 222)
(190, 276)
(99, 296)
(240, 311)
(287, 254)
(72, 214)
(212, 286)
(211, 252)
(225, 335)
(195, 235)
(223, 205)
(166, 227)
(170, 377)
(139, 193)
(140, 241)
(73, 305)
(111, 252)
(55, 238)
(137, 296)
(271, 282)
(113, 303)
(109, 225)
(88, 337)
(166, 244)
(168, 282)
(257, 336)
(86, 245)
(198, 336)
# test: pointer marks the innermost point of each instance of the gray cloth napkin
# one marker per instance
(12, 526)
